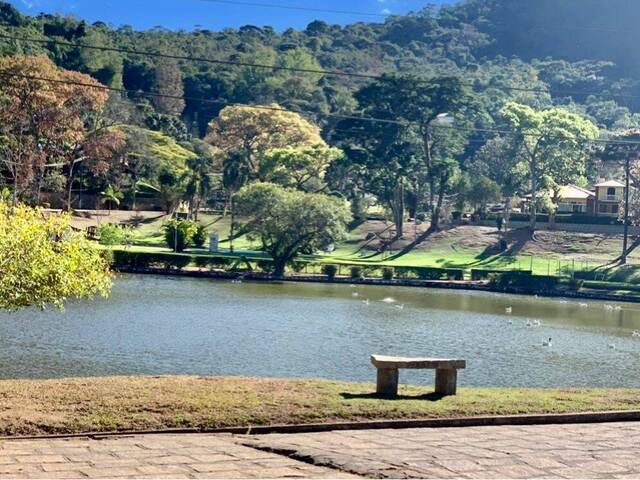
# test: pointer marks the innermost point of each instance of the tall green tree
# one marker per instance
(288, 222)
(554, 143)
(414, 148)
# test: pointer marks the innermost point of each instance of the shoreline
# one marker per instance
(462, 285)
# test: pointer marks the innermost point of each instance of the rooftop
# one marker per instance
(609, 183)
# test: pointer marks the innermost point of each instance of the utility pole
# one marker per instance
(625, 241)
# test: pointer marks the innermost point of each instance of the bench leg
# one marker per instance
(387, 382)
(446, 381)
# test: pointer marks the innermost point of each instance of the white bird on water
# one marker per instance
(400, 307)
(635, 333)
(612, 346)
(366, 302)
(529, 324)
(546, 343)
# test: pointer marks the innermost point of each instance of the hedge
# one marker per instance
(478, 274)
(525, 283)
(124, 258)
(430, 273)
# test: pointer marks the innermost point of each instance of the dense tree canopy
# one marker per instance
(288, 222)
(42, 261)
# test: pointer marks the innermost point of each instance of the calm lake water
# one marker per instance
(157, 325)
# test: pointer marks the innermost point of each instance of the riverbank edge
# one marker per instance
(436, 423)
(442, 284)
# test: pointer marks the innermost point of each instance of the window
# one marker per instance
(603, 208)
(611, 191)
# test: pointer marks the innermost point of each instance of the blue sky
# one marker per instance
(187, 14)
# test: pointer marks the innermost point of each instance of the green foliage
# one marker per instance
(356, 272)
(42, 261)
(430, 273)
(330, 271)
(111, 234)
(478, 274)
(178, 234)
(516, 281)
(388, 273)
(200, 235)
(288, 222)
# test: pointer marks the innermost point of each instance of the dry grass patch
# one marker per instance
(142, 403)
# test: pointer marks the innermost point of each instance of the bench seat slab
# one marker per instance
(382, 361)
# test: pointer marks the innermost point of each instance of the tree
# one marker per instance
(412, 151)
(553, 142)
(288, 222)
(46, 125)
(168, 82)
(42, 261)
(302, 168)
(111, 197)
(481, 191)
(501, 160)
(247, 134)
(178, 234)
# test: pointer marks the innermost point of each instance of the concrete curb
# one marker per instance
(458, 422)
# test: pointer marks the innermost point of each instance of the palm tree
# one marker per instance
(110, 196)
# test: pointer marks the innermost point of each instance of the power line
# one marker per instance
(296, 7)
(301, 112)
(540, 91)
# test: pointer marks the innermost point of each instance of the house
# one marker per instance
(608, 196)
(574, 199)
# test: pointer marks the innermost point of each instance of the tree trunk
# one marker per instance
(534, 195)
(70, 186)
(280, 267)
(398, 210)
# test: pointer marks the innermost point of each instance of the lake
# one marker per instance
(163, 325)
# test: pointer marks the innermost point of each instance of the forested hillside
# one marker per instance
(503, 71)
(566, 46)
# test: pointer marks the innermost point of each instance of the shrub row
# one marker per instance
(524, 283)
(124, 258)
(478, 274)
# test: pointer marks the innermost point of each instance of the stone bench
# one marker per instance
(388, 372)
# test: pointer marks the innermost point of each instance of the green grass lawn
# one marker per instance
(141, 403)
(149, 238)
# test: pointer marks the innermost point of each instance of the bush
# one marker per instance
(265, 266)
(200, 236)
(298, 266)
(356, 272)
(524, 283)
(111, 234)
(576, 284)
(178, 234)
(123, 258)
(388, 273)
(330, 271)
(430, 273)
(477, 274)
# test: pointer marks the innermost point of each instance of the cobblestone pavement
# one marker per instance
(149, 456)
(553, 451)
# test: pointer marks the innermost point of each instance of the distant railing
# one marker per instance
(613, 198)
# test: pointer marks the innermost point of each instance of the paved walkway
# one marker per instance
(149, 456)
(553, 451)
